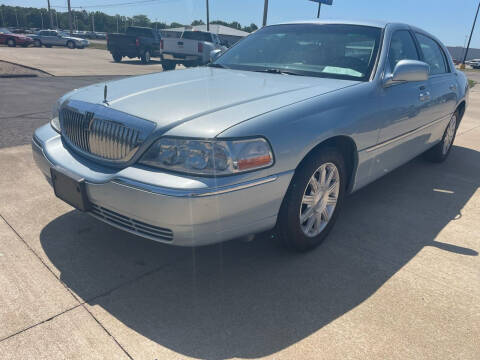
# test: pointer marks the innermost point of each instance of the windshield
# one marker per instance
(5, 31)
(333, 51)
(197, 35)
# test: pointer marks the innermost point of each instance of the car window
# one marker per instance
(433, 55)
(402, 47)
(332, 50)
(140, 32)
(197, 35)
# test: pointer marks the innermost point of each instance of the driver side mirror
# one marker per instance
(214, 54)
(408, 71)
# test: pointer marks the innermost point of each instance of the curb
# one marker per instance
(3, 76)
(27, 67)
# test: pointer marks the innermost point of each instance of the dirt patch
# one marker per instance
(13, 70)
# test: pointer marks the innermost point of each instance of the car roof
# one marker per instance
(374, 23)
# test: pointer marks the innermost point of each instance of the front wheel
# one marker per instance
(117, 57)
(440, 152)
(313, 200)
(11, 43)
(37, 43)
(70, 44)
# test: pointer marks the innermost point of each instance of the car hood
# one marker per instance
(205, 101)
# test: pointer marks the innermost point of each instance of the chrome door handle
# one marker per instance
(425, 96)
(453, 87)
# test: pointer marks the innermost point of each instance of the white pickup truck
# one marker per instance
(191, 49)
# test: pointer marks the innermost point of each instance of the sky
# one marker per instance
(449, 20)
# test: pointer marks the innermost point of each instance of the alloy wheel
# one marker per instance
(319, 199)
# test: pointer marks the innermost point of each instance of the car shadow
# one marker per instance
(138, 62)
(253, 299)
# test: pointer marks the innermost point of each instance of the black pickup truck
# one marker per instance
(137, 42)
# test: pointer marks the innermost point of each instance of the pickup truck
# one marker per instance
(137, 42)
(191, 49)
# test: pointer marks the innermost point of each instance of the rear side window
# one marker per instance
(197, 35)
(433, 55)
(140, 32)
(402, 47)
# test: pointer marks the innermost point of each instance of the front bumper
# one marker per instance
(173, 209)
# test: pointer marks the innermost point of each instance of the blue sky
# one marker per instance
(450, 20)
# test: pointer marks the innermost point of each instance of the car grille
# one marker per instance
(131, 225)
(103, 138)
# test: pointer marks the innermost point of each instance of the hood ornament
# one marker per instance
(105, 90)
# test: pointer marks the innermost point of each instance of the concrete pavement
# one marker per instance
(398, 277)
(61, 61)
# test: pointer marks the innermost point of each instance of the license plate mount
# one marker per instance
(70, 188)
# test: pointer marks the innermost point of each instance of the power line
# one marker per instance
(116, 4)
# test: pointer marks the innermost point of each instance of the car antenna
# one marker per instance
(105, 90)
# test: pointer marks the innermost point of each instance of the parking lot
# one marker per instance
(61, 61)
(396, 279)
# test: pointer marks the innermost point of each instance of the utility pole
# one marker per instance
(470, 39)
(56, 17)
(319, 7)
(265, 11)
(41, 17)
(70, 17)
(16, 17)
(117, 23)
(1, 16)
(50, 13)
(208, 18)
(93, 21)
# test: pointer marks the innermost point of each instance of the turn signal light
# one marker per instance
(251, 163)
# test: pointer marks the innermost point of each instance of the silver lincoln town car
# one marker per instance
(272, 134)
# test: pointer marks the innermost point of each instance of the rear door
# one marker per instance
(442, 79)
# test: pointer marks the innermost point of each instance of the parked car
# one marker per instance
(137, 42)
(101, 35)
(272, 135)
(191, 49)
(49, 38)
(12, 40)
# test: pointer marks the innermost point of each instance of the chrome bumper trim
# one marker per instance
(194, 192)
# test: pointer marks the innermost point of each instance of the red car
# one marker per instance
(12, 40)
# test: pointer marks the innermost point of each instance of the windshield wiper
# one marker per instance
(217, 66)
(279, 71)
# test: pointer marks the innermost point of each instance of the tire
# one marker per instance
(48, 46)
(25, 45)
(11, 43)
(295, 228)
(70, 44)
(440, 151)
(168, 65)
(37, 43)
(145, 57)
(117, 58)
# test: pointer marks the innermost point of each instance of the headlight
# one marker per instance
(209, 157)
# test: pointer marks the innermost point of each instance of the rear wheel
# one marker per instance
(37, 43)
(117, 57)
(70, 44)
(48, 46)
(168, 65)
(440, 152)
(11, 43)
(313, 200)
(145, 57)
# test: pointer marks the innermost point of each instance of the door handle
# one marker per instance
(425, 96)
(453, 87)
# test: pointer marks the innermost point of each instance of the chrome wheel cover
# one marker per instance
(147, 56)
(450, 134)
(319, 199)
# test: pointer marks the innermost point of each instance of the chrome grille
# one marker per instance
(100, 137)
(131, 225)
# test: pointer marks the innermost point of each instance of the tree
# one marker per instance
(197, 22)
